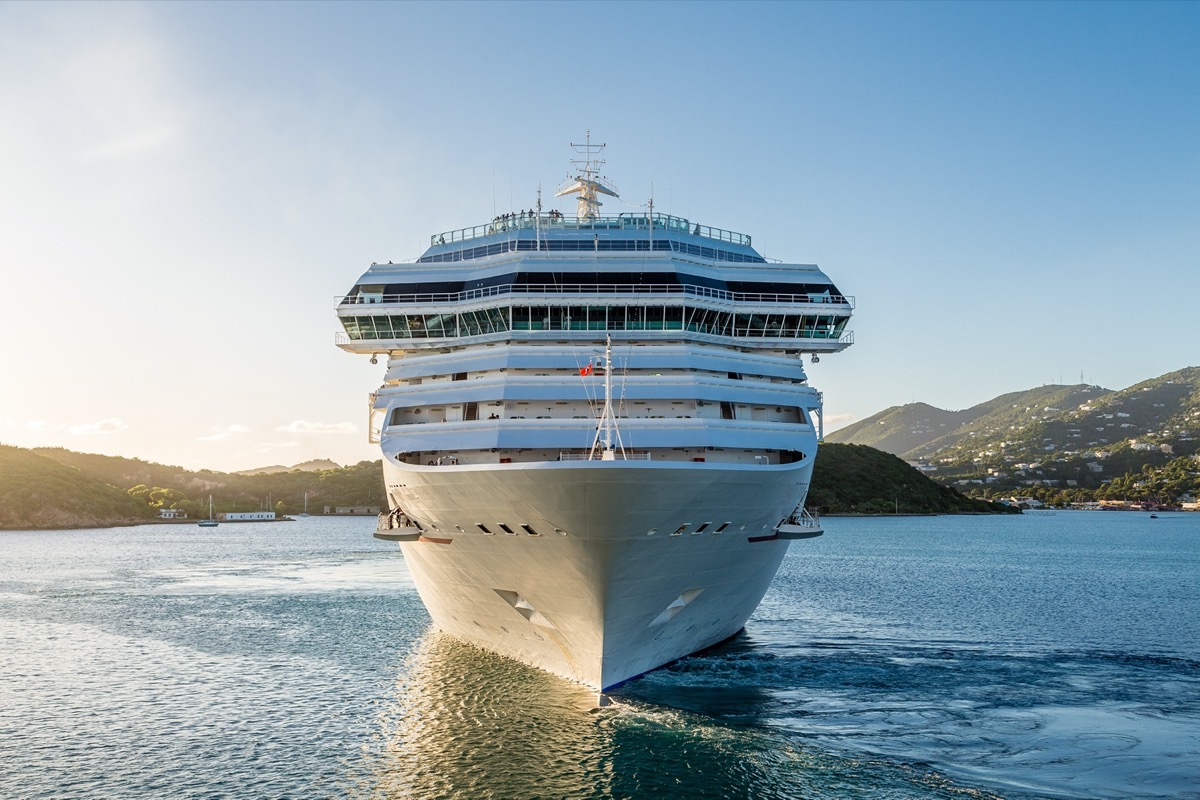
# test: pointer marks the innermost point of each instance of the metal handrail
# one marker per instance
(804, 518)
(620, 456)
(821, 298)
(845, 340)
(527, 221)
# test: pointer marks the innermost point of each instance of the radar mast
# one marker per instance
(588, 182)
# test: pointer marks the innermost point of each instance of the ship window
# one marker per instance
(724, 525)
(560, 531)
(469, 324)
(383, 327)
(459, 376)
(505, 528)
(351, 326)
(701, 528)
(483, 528)
(727, 410)
(652, 531)
(682, 528)
(530, 530)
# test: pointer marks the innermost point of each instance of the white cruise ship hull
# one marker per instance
(597, 430)
(607, 569)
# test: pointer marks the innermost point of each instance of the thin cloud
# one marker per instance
(101, 426)
(272, 446)
(221, 434)
(132, 145)
(304, 426)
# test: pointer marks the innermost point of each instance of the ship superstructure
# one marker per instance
(597, 431)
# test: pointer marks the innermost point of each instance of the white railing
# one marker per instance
(803, 518)
(821, 298)
(627, 456)
(556, 221)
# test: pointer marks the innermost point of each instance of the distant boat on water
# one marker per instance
(304, 513)
(210, 522)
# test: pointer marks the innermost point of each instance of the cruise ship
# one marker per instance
(597, 430)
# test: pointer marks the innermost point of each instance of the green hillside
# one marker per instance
(1056, 443)
(39, 492)
(852, 478)
(174, 487)
(918, 430)
(56, 488)
(900, 429)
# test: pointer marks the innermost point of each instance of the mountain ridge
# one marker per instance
(1068, 437)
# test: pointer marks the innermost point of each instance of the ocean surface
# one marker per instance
(1046, 656)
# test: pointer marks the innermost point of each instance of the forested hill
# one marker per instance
(56, 488)
(1144, 425)
(39, 492)
(857, 479)
(919, 430)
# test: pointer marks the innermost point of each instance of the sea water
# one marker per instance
(1042, 656)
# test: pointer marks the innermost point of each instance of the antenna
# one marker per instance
(537, 220)
(587, 181)
(606, 426)
(650, 218)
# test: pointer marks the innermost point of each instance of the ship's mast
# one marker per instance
(606, 428)
(587, 181)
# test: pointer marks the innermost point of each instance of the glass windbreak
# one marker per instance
(595, 318)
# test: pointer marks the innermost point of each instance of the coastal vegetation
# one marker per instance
(39, 492)
(857, 479)
(57, 488)
(1058, 445)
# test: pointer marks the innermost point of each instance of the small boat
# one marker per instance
(305, 512)
(210, 522)
(1154, 516)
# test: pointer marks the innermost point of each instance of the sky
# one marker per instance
(1010, 191)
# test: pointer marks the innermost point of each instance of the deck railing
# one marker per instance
(597, 289)
(528, 221)
(627, 455)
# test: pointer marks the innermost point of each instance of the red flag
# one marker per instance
(586, 370)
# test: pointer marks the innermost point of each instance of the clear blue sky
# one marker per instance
(1010, 190)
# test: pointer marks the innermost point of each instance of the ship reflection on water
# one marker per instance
(466, 723)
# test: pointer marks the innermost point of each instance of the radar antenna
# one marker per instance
(587, 181)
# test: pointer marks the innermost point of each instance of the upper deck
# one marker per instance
(537, 273)
(556, 225)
